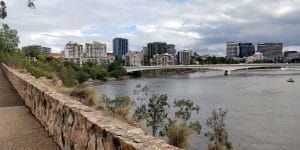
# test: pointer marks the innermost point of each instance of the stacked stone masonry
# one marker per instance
(73, 125)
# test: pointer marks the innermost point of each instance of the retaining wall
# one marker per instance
(73, 125)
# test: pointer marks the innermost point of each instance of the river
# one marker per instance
(263, 108)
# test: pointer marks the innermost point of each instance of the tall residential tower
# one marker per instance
(120, 47)
(232, 50)
(271, 51)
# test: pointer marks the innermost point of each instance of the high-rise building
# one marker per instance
(37, 48)
(271, 51)
(183, 57)
(171, 49)
(46, 50)
(73, 50)
(291, 56)
(146, 56)
(289, 53)
(232, 50)
(157, 48)
(95, 50)
(246, 49)
(120, 47)
(191, 52)
(162, 60)
(133, 58)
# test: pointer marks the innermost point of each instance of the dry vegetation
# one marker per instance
(178, 135)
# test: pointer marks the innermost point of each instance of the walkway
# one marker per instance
(18, 128)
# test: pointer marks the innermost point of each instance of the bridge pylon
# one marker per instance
(227, 72)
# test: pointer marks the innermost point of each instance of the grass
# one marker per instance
(178, 135)
(87, 95)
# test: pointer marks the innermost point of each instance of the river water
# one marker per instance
(263, 108)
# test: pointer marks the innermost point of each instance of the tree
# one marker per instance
(3, 12)
(141, 93)
(112, 66)
(218, 136)
(120, 105)
(8, 39)
(180, 128)
(154, 113)
(116, 69)
(118, 72)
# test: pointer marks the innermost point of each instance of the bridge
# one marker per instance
(227, 68)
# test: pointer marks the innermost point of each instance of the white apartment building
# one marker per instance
(93, 52)
(133, 58)
(74, 52)
(163, 60)
(183, 57)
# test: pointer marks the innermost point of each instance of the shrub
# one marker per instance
(154, 113)
(87, 95)
(91, 96)
(68, 76)
(116, 70)
(218, 136)
(33, 70)
(178, 135)
(45, 74)
(180, 128)
(83, 76)
(120, 105)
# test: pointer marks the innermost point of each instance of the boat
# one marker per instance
(290, 80)
(284, 68)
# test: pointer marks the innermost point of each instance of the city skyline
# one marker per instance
(189, 24)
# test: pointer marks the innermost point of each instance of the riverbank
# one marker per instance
(146, 73)
(168, 72)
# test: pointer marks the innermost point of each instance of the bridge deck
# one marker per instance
(18, 128)
(229, 67)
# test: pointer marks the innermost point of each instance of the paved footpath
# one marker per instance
(19, 130)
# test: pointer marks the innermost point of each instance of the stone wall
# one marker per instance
(73, 125)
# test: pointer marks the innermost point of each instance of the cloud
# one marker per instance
(202, 25)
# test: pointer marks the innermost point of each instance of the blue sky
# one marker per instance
(202, 25)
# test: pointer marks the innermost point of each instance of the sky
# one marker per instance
(201, 25)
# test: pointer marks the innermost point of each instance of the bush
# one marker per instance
(219, 135)
(68, 76)
(180, 128)
(87, 95)
(178, 135)
(120, 105)
(154, 113)
(33, 70)
(116, 70)
(83, 76)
